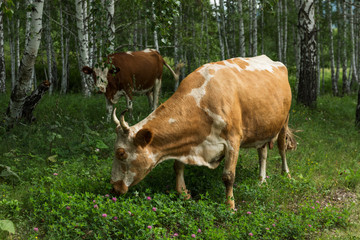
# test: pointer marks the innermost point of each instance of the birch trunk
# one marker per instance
(250, 28)
(32, 83)
(18, 95)
(156, 41)
(254, 18)
(262, 28)
(285, 33)
(12, 53)
(353, 57)
(219, 31)
(48, 48)
(17, 41)
(241, 30)
(346, 82)
(223, 28)
(2, 55)
(319, 48)
(64, 53)
(338, 58)
(81, 18)
(332, 59)
(110, 9)
(307, 92)
(279, 28)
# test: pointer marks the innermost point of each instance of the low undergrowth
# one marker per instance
(57, 185)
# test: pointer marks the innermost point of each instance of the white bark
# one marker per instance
(49, 48)
(12, 53)
(353, 57)
(285, 32)
(17, 41)
(279, 28)
(64, 53)
(332, 59)
(241, 30)
(2, 55)
(254, 18)
(32, 83)
(219, 31)
(110, 8)
(18, 95)
(346, 82)
(156, 41)
(83, 41)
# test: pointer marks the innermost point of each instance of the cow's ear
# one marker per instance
(87, 70)
(114, 70)
(143, 138)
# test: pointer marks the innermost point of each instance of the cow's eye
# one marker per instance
(121, 154)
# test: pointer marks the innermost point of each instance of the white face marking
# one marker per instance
(101, 78)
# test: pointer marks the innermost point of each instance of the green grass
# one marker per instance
(72, 139)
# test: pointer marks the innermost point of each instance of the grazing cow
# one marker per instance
(220, 107)
(131, 72)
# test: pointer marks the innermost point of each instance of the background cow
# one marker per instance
(220, 107)
(127, 73)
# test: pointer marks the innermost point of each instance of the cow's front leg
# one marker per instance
(228, 176)
(150, 96)
(180, 182)
(262, 152)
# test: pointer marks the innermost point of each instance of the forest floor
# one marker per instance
(63, 163)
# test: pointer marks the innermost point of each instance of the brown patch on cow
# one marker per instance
(241, 63)
(211, 71)
(228, 179)
(119, 187)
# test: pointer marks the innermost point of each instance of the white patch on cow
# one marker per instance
(261, 63)
(198, 93)
(117, 174)
(171, 120)
(117, 96)
(101, 78)
(148, 50)
(233, 65)
(130, 53)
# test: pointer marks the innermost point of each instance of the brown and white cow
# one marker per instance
(132, 72)
(220, 107)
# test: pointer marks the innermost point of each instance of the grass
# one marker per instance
(64, 162)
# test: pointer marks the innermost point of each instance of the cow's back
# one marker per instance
(250, 96)
(141, 68)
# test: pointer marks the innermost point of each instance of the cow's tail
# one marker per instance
(175, 73)
(291, 143)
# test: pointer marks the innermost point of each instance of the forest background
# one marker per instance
(318, 41)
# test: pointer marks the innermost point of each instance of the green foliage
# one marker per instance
(64, 160)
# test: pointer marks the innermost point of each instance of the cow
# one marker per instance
(217, 109)
(131, 72)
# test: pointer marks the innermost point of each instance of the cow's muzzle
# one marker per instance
(119, 187)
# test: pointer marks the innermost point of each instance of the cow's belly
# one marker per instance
(205, 154)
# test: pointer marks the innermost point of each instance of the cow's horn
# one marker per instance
(115, 119)
(124, 125)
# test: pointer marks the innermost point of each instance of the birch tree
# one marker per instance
(64, 41)
(110, 9)
(332, 59)
(353, 52)
(254, 26)
(241, 30)
(307, 91)
(83, 41)
(18, 95)
(2, 53)
(279, 30)
(346, 82)
(285, 35)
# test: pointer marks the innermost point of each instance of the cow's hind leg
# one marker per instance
(109, 110)
(228, 176)
(281, 141)
(180, 182)
(129, 105)
(156, 91)
(150, 96)
(262, 152)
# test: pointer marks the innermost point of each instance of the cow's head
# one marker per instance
(133, 160)
(100, 75)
